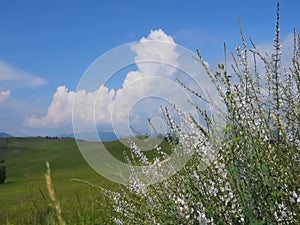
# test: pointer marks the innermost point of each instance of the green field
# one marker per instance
(24, 192)
(23, 196)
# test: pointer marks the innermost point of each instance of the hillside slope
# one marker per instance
(25, 161)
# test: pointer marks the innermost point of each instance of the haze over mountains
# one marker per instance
(103, 136)
(4, 135)
(89, 136)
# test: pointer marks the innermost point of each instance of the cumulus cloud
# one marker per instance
(59, 110)
(102, 106)
(154, 58)
(4, 95)
(97, 106)
(16, 76)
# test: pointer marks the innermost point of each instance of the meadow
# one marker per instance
(244, 172)
(23, 196)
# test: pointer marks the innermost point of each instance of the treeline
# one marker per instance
(55, 137)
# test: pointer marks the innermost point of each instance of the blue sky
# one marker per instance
(48, 44)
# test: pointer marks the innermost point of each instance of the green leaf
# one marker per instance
(264, 169)
(221, 66)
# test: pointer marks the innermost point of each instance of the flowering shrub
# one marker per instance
(247, 173)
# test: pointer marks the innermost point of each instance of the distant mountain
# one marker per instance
(107, 136)
(89, 136)
(4, 135)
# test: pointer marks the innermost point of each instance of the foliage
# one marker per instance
(2, 173)
(246, 173)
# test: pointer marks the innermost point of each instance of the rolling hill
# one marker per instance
(25, 189)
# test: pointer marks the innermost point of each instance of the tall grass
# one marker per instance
(52, 196)
(247, 173)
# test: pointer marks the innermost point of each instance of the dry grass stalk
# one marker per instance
(53, 196)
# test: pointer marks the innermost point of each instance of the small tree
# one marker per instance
(2, 172)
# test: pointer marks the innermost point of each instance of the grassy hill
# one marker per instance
(24, 191)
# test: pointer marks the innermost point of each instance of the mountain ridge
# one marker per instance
(4, 135)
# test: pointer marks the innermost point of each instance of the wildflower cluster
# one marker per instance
(247, 173)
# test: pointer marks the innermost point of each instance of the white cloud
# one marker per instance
(152, 78)
(4, 95)
(16, 76)
(154, 58)
(102, 100)
(59, 110)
